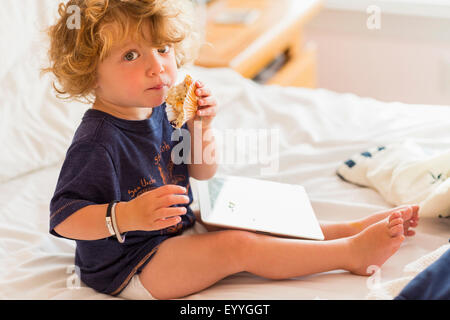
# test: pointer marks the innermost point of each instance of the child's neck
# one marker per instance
(122, 112)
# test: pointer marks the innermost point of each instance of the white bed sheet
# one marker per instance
(318, 130)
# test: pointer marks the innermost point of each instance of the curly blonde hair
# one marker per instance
(75, 53)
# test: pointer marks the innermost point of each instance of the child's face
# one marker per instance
(136, 75)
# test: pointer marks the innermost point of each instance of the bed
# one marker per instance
(317, 130)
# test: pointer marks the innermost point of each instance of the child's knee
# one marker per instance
(237, 243)
(237, 238)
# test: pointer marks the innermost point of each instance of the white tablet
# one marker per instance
(258, 205)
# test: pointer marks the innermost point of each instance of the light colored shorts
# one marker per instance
(135, 289)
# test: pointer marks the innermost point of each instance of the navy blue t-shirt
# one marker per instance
(116, 159)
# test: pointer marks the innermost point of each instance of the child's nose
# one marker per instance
(155, 66)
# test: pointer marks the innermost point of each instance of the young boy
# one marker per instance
(121, 196)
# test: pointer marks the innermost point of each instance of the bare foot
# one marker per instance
(377, 243)
(410, 220)
(409, 214)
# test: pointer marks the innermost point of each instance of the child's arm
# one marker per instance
(149, 211)
(203, 163)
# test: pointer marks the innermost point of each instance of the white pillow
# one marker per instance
(36, 128)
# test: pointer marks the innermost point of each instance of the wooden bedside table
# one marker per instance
(274, 38)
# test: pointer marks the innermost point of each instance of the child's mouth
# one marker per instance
(158, 87)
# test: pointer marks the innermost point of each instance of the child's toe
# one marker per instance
(396, 230)
(395, 222)
(407, 212)
(394, 215)
(414, 212)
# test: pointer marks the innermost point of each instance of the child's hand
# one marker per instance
(207, 105)
(152, 210)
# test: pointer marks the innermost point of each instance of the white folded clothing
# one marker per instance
(403, 174)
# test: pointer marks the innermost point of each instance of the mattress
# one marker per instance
(315, 130)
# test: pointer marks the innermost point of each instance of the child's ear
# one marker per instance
(96, 81)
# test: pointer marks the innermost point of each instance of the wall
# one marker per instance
(407, 59)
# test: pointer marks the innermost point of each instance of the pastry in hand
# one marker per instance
(181, 102)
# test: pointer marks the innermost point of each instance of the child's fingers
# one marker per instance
(207, 101)
(170, 200)
(165, 223)
(168, 189)
(199, 84)
(165, 213)
(207, 112)
(203, 92)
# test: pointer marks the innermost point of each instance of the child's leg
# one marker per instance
(336, 230)
(187, 264)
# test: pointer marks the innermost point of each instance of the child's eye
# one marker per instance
(164, 49)
(130, 56)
